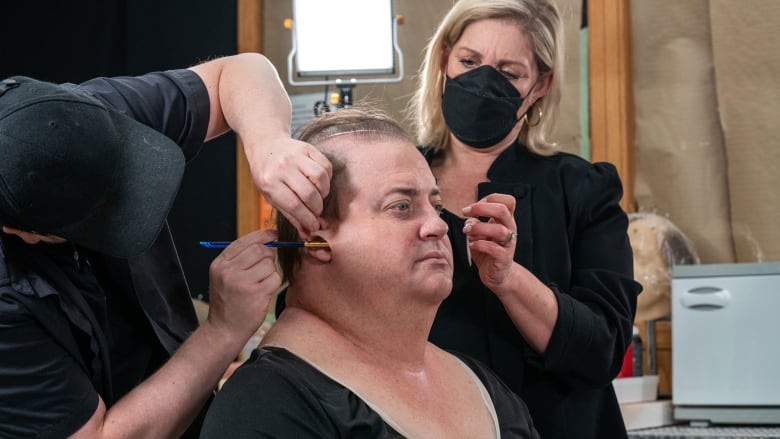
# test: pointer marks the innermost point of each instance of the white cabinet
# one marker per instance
(725, 348)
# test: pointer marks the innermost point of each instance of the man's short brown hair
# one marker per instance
(365, 124)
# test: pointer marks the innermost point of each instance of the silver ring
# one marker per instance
(509, 238)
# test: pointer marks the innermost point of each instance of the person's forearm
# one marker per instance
(247, 96)
(532, 307)
(165, 404)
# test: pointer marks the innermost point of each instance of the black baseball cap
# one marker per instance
(71, 166)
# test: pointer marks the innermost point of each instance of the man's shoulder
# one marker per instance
(280, 364)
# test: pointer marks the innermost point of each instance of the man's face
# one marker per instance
(390, 235)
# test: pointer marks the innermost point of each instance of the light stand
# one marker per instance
(345, 94)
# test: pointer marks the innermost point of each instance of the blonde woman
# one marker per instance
(544, 292)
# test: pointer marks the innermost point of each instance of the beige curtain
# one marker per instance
(707, 98)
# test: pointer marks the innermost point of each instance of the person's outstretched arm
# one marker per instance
(243, 279)
(248, 97)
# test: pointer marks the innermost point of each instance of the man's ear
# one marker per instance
(321, 254)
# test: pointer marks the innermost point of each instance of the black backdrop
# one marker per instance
(71, 41)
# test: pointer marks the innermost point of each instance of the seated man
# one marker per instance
(349, 356)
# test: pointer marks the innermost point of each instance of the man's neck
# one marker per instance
(379, 340)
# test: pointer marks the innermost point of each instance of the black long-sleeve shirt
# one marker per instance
(572, 235)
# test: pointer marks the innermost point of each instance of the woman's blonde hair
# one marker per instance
(539, 20)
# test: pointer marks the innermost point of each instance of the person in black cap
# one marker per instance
(94, 307)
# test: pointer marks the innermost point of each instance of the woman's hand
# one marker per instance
(492, 242)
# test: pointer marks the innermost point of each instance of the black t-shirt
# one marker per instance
(73, 328)
(134, 350)
(276, 394)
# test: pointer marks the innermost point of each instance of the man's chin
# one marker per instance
(442, 289)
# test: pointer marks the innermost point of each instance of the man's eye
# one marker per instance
(439, 208)
(402, 206)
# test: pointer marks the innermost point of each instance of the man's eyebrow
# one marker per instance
(409, 191)
(404, 190)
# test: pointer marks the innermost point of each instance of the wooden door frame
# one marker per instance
(611, 90)
(252, 210)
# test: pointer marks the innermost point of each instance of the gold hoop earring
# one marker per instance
(538, 119)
